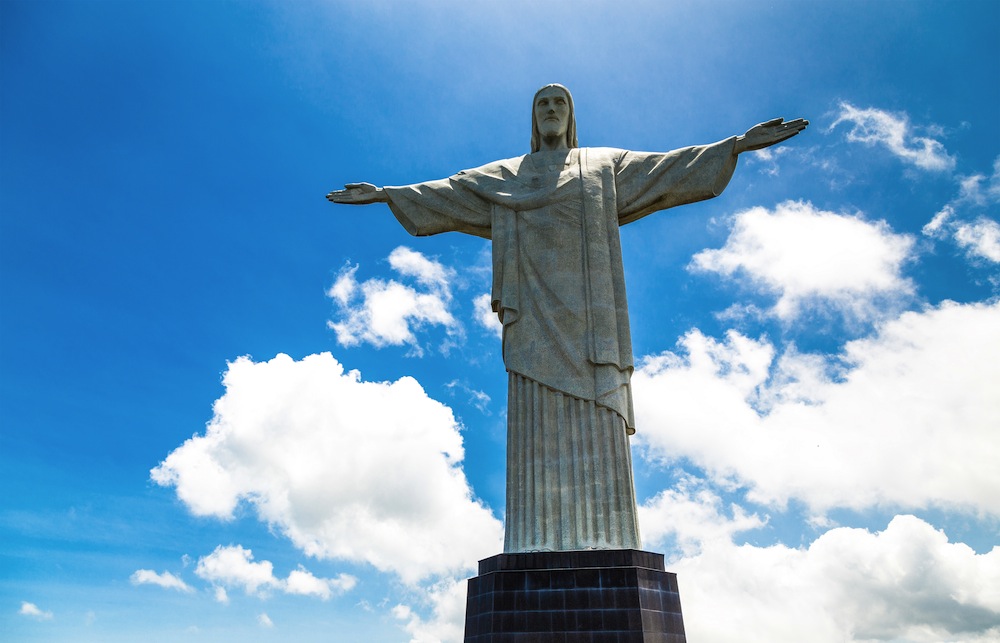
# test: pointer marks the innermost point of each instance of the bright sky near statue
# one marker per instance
(233, 411)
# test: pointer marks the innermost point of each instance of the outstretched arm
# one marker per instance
(770, 133)
(358, 194)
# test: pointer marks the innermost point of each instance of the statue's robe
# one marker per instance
(559, 291)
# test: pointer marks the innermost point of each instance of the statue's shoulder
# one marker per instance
(495, 168)
(604, 155)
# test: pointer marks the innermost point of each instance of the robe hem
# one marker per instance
(629, 430)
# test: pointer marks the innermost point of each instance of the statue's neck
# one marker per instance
(552, 144)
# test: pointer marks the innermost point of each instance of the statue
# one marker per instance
(559, 291)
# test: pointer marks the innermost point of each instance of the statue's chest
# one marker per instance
(547, 176)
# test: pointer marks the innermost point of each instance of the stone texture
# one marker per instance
(594, 596)
(569, 487)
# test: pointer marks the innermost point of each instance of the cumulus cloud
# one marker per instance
(411, 263)
(906, 583)
(301, 582)
(234, 567)
(33, 611)
(873, 126)
(907, 416)
(808, 257)
(264, 620)
(485, 315)
(166, 580)
(388, 313)
(981, 238)
(363, 471)
(446, 624)
(690, 515)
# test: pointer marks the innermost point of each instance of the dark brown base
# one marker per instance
(593, 596)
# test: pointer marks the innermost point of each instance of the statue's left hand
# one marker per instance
(770, 133)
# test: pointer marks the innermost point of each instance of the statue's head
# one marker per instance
(552, 114)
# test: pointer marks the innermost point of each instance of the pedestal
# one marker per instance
(593, 596)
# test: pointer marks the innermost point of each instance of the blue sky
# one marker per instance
(233, 411)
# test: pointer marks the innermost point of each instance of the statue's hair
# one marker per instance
(536, 137)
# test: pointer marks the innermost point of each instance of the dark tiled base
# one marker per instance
(594, 596)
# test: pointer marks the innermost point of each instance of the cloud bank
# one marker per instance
(906, 417)
(446, 601)
(362, 471)
(906, 583)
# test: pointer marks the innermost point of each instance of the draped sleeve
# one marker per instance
(647, 182)
(447, 205)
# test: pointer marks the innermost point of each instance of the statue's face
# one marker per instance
(552, 112)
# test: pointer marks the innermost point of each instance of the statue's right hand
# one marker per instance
(357, 194)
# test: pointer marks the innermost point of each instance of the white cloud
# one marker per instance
(264, 620)
(300, 581)
(447, 622)
(345, 286)
(411, 263)
(907, 416)
(893, 131)
(477, 398)
(979, 189)
(938, 224)
(485, 315)
(904, 584)
(808, 256)
(768, 158)
(166, 580)
(33, 611)
(692, 515)
(980, 238)
(365, 471)
(233, 566)
(388, 313)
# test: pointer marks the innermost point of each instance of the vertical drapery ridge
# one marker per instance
(569, 473)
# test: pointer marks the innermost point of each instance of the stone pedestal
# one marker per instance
(593, 596)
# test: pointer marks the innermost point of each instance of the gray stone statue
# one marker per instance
(559, 291)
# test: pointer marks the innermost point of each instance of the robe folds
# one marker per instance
(558, 282)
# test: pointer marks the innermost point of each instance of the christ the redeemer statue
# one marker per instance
(559, 291)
